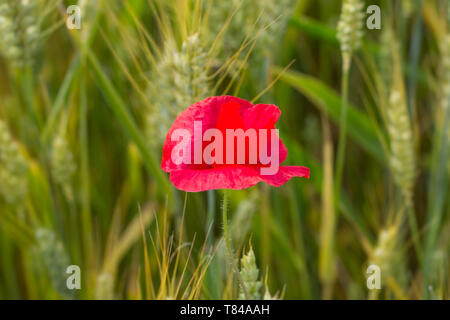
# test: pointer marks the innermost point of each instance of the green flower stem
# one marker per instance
(229, 245)
(211, 213)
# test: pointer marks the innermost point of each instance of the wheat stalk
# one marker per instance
(104, 287)
(349, 33)
(401, 156)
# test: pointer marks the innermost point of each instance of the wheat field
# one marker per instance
(89, 90)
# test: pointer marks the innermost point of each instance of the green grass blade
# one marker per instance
(60, 98)
(320, 31)
(345, 205)
(315, 29)
(437, 194)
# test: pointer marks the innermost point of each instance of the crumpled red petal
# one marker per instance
(236, 177)
(207, 111)
(285, 173)
(195, 178)
(264, 116)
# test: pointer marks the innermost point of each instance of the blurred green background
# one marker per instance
(84, 113)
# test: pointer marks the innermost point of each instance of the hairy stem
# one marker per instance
(229, 245)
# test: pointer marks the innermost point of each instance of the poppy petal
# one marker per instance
(222, 112)
(264, 116)
(207, 111)
(236, 177)
(261, 116)
(284, 174)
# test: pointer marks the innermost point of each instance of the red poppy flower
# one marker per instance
(226, 143)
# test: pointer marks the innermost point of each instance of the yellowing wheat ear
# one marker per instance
(402, 158)
(401, 138)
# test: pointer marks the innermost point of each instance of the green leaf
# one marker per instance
(319, 31)
(360, 128)
(315, 29)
